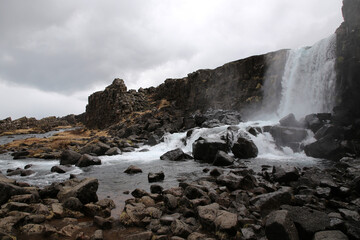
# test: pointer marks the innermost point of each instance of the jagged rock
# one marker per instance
(69, 157)
(205, 149)
(272, 201)
(179, 228)
(156, 177)
(223, 159)
(88, 160)
(113, 151)
(330, 235)
(244, 148)
(85, 191)
(58, 169)
(133, 170)
(280, 226)
(175, 155)
(289, 121)
(285, 173)
(307, 221)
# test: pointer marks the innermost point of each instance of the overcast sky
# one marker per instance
(53, 54)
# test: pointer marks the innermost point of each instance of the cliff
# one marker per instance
(235, 86)
(348, 62)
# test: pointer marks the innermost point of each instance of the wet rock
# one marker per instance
(26, 172)
(289, 121)
(328, 148)
(205, 149)
(207, 214)
(133, 170)
(156, 189)
(113, 151)
(103, 223)
(216, 172)
(226, 221)
(280, 226)
(285, 174)
(88, 160)
(175, 155)
(73, 203)
(153, 140)
(223, 159)
(244, 148)
(285, 135)
(272, 201)
(139, 193)
(27, 166)
(307, 221)
(58, 169)
(156, 177)
(20, 154)
(85, 191)
(330, 235)
(69, 157)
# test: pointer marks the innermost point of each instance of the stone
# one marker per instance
(27, 172)
(156, 177)
(103, 223)
(32, 229)
(285, 174)
(175, 155)
(15, 206)
(307, 221)
(58, 169)
(133, 170)
(69, 157)
(140, 236)
(207, 214)
(330, 235)
(154, 188)
(73, 203)
(244, 148)
(58, 210)
(272, 201)
(70, 230)
(171, 201)
(98, 148)
(248, 233)
(205, 149)
(85, 191)
(153, 140)
(289, 121)
(285, 135)
(181, 229)
(349, 214)
(132, 214)
(223, 159)
(139, 193)
(98, 235)
(106, 203)
(88, 160)
(280, 226)
(113, 151)
(226, 221)
(7, 190)
(326, 147)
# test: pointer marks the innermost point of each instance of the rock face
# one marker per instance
(348, 61)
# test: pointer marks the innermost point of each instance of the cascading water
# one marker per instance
(308, 83)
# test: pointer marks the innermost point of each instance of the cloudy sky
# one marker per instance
(53, 54)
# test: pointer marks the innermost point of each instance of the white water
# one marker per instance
(308, 83)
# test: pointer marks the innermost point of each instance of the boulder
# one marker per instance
(133, 170)
(285, 135)
(207, 214)
(8, 189)
(280, 226)
(69, 157)
(226, 221)
(268, 202)
(156, 189)
(223, 159)
(132, 214)
(85, 191)
(181, 229)
(330, 235)
(153, 140)
(113, 151)
(328, 148)
(175, 155)
(307, 221)
(73, 203)
(244, 148)
(103, 223)
(313, 122)
(156, 177)
(88, 160)
(289, 121)
(20, 154)
(58, 169)
(285, 174)
(98, 148)
(205, 149)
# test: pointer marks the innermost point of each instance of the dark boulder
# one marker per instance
(69, 157)
(133, 170)
(285, 135)
(223, 159)
(175, 155)
(244, 148)
(88, 160)
(20, 154)
(156, 189)
(8, 189)
(73, 203)
(85, 190)
(330, 235)
(153, 140)
(113, 151)
(58, 169)
(289, 121)
(205, 149)
(285, 174)
(98, 148)
(328, 148)
(280, 226)
(156, 177)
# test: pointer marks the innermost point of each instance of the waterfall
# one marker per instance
(308, 83)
